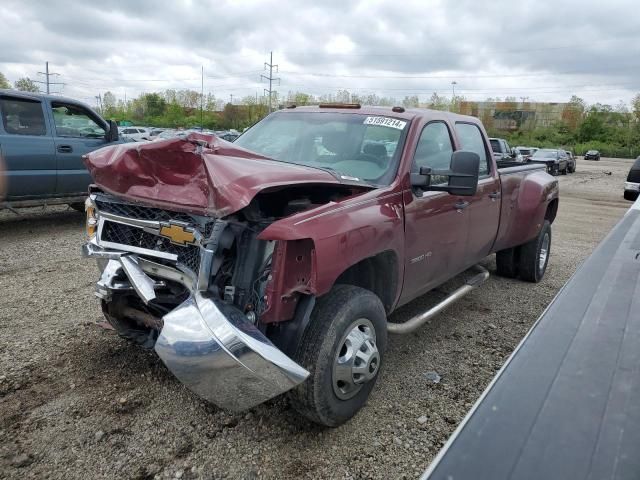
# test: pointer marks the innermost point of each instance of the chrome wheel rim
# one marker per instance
(357, 359)
(544, 252)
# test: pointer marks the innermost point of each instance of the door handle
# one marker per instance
(65, 149)
(461, 205)
(494, 195)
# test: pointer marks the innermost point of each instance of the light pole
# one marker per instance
(453, 93)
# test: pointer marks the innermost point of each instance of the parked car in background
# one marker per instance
(229, 136)
(271, 265)
(137, 134)
(501, 149)
(555, 160)
(524, 153)
(632, 185)
(571, 159)
(154, 132)
(42, 141)
(592, 155)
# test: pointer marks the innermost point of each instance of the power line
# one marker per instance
(47, 75)
(270, 77)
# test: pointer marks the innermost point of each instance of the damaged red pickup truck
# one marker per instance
(271, 264)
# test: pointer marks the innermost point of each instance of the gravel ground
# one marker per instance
(78, 402)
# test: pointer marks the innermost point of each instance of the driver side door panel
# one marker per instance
(71, 145)
(435, 225)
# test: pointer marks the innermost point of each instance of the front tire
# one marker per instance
(343, 349)
(78, 207)
(534, 255)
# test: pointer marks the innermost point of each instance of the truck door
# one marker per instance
(77, 131)
(435, 222)
(484, 206)
(27, 147)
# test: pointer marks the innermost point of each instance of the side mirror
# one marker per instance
(463, 175)
(112, 134)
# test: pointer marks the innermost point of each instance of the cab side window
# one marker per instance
(22, 117)
(471, 140)
(75, 121)
(434, 150)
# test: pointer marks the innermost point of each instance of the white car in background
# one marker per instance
(137, 134)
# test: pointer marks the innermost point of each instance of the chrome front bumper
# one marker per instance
(210, 346)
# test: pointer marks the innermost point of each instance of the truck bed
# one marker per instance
(565, 405)
(509, 166)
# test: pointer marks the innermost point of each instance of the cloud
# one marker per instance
(545, 50)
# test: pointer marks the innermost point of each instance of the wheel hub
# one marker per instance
(357, 360)
(544, 251)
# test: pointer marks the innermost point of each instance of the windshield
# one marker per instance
(355, 147)
(524, 151)
(545, 154)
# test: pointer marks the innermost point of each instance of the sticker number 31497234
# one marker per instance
(385, 122)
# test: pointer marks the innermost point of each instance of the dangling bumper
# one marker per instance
(209, 345)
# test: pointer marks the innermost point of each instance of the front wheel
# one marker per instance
(534, 255)
(343, 349)
(78, 207)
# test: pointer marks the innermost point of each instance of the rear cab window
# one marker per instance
(472, 140)
(22, 116)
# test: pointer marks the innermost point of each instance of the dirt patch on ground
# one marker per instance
(78, 402)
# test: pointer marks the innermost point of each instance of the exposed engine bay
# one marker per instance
(221, 256)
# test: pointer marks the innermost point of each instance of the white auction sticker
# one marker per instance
(385, 122)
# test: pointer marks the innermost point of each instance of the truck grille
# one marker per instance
(142, 213)
(114, 232)
(130, 210)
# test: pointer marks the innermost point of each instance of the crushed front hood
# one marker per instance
(200, 174)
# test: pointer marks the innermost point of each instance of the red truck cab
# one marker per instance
(282, 254)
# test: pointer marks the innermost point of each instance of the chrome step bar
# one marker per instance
(416, 322)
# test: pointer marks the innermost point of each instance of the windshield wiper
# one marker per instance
(340, 176)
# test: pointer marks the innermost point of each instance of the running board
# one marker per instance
(416, 322)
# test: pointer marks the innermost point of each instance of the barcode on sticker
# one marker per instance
(385, 122)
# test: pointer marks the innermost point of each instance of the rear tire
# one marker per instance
(345, 339)
(534, 255)
(507, 262)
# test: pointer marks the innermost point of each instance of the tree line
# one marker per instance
(612, 129)
(24, 84)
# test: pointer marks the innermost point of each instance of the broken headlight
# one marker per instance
(92, 217)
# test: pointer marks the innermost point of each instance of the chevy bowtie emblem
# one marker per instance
(177, 234)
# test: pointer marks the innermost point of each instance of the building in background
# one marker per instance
(512, 116)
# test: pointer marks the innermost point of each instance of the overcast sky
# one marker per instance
(544, 50)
